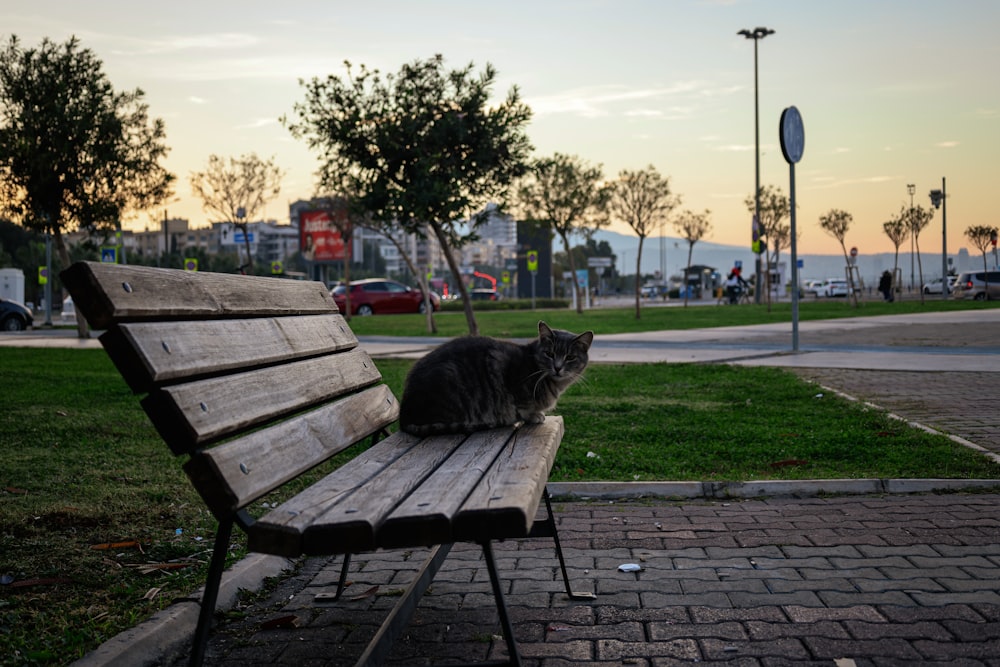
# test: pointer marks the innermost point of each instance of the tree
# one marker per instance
(836, 223)
(917, 219)
(774, 208)
(897, 231)
(237, 190)
(982, 237)
(74, 154)
(568, 194)
(692, 227)
(642, 199)
(421, 148)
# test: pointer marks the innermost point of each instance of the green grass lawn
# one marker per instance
(524, 323)
(83, 467)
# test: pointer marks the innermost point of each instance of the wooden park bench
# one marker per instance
(257, 381)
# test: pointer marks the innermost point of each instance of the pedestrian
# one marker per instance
(885, 286)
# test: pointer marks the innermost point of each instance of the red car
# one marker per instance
(378, 295)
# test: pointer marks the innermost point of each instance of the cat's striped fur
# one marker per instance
(475, 383)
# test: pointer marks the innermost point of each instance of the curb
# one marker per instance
(763, 489)
(169, 631)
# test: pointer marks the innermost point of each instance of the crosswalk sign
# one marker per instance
(277, 267)
(191, 264)
(109, 254)
(532, 260)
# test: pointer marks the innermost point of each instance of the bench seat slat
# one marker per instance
(170, 351)
(280, 531)
(505, 500)
(233, 474)
(427, 514)
(109, 293)
(192, 414)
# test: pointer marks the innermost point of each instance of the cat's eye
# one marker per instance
(570, 357)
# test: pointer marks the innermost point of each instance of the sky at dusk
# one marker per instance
(891, 92)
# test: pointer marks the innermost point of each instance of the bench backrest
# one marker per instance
(256, 379)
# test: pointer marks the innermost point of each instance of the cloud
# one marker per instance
(260, 122)
(946, 144)
(602, 101)
(194, 99)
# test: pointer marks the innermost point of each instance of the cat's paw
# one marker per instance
(534, 418)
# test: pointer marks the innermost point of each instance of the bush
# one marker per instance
(452, 305)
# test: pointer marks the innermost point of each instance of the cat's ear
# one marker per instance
(543, 330)
(585, 339)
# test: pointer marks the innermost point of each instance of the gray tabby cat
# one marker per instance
(472, 383)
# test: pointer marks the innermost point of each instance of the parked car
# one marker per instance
(14, 316)
(68, 313)
(836, 287)
(934, 286)
(382, 296)
(812, 288)
(484, 294)
(978, 285)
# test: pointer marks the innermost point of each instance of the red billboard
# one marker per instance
(319, 239)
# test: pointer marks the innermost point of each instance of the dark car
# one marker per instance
(378, 295)
(14, 316)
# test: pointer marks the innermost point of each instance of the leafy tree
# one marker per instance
(421, 148)
(897, 231)
(568, 194)
(692, 227)
(775, 207)
(981, 237)
(643, 200)
(917, 219)
(836, 223)
(74, 153)
(237, 190)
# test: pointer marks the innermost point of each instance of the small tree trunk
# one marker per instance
(638, 276)
(470, 316)
(572, 270)
(82, 326)
(687, 285)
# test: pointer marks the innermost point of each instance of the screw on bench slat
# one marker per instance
(244, 469)
(204, 408)
(127, 287)
(166, 348)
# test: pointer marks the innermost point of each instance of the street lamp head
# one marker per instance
(911, 188)
(936, 197)
(756, 33)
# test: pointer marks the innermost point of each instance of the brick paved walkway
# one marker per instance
(879, 580)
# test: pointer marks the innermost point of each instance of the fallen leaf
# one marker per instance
(554, 627)
(14, 489)
(40, 582)
(367, 594)
(127, 544)
(149, 568)
(151, 593)
(788, 463)
(290, 621)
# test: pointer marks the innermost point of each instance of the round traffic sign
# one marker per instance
(793, 136)
(854, 252)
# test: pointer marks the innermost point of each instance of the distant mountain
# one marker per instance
(723, 257)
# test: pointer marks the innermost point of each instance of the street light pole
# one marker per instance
(911, 188)
(756, 35)
(939, 198)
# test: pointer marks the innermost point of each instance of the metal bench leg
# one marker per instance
(393, 626)
(343, 576)
(547, 528)
(514, 656)
(211, 596)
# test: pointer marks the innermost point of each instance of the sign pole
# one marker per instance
(793, 142)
